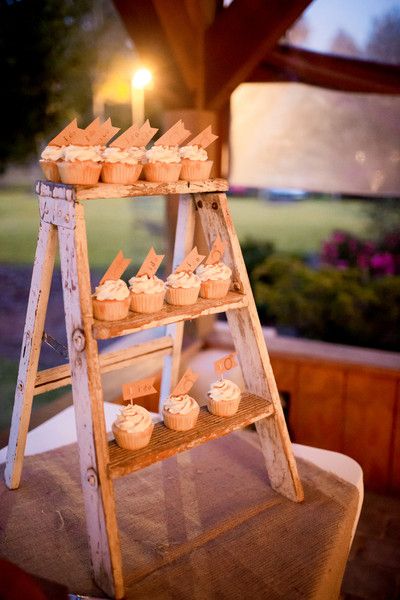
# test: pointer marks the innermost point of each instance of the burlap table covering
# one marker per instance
(202, 525)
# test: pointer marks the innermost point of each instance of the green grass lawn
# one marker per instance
(134, 225)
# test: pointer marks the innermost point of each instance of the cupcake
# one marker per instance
(163, 162)
(195, 163)
(54, 151)
(215, 280)
(81, 164)
(180, 412)
(122, 165)
(133, 427)
(147, 293)
(49, 160)
(82, 160)
(182, 288)
(223, 398)
(111, 300)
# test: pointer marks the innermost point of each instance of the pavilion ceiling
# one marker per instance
(201, 51)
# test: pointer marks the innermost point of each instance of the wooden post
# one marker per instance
(89, 413)
(251, 349)
(30, 351)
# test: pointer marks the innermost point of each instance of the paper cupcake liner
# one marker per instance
(162, 172)
(147, 303)
(214, 289)
(182, 296)
(195, 170)
(181, 422)
(120, 173)
(50, 170)
(132, 440)
(111, 310)
(223, 408)
(79, 172)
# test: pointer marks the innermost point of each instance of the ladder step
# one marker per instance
(56, 377)
(103, 330)
(165, 442)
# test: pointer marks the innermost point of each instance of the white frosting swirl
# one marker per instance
(146, 285)
(164, 154)
(112, 290)
(193, 153)
(133, 418)
(72, 153)
(183, 280)
(117, 155)
(53, 153)
(225, 389)
(217, 272)
(180, 405)
(138, 152)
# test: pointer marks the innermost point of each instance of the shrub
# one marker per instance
(334, 305)
(376, 259)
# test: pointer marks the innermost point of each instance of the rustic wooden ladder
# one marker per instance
(62, 217)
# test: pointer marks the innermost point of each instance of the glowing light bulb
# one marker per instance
(141, 78)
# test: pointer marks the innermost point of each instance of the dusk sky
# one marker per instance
(326, 17)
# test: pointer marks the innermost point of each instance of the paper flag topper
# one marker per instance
(93, 126)
(64, 137)
(116, 268)
(204, 138)
(191, 262)
(105, 132)
(226, 363)
(126, 139)
(216, 252)
(79, 138)
(150, 263)
(185, 383)
(135, 136)
(136, 389)
(174, 136)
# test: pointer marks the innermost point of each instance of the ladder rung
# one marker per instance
(56, 377)
(165, 442)
(103, 330)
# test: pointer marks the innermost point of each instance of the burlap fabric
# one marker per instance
(202, 525)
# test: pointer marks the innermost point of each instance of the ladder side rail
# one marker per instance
(87, 392)
(30, 351)
(184, 237)
(252, 352)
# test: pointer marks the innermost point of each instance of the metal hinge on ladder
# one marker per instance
(55, 345)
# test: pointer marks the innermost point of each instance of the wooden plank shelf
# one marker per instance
(165, 442)
(115, 190)
(103, 330)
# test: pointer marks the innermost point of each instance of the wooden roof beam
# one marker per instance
(239, 39)
(143, 25)
(183, 37)
(328, 71)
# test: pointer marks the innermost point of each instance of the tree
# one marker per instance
(384, 41)
(51, 51)
(344, 45)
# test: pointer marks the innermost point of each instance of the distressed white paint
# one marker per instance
(30, 351)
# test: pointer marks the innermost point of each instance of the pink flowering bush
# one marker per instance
(375, 259)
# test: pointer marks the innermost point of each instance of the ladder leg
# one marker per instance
(184, 237)
(30, 351)
(97, 487)
(252, 351)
